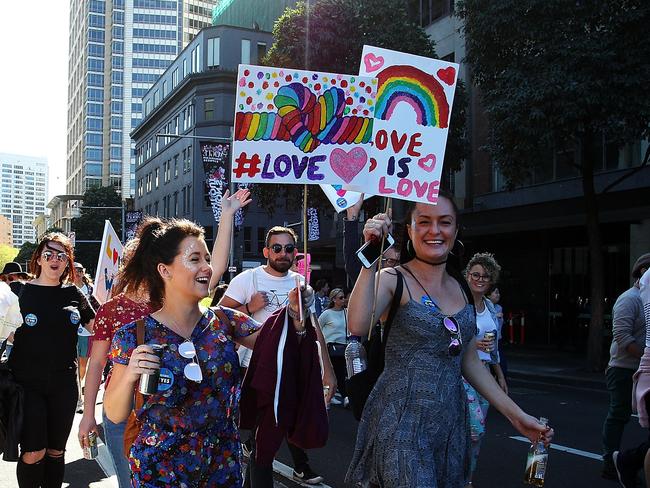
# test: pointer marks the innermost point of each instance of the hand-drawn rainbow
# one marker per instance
(304, 119)
(420, 90)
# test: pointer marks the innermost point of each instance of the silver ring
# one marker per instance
(139, 362)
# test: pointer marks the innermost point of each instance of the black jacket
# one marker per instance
(11, 412)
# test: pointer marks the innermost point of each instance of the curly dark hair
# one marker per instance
(156, 241)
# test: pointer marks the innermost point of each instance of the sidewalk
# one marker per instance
(548, 365)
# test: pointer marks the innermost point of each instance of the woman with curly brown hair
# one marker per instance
(43, 360)
(482, 273)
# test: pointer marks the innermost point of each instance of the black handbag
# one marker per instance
(336, 349)
(360, 385)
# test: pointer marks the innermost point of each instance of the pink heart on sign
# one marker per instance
(372, 62)
(347, 165)
(427, 163)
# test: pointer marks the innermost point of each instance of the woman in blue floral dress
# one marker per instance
(189, 436)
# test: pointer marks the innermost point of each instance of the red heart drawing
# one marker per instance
(116, 256)
(427, 163)
(448, 75)
(347, 165)
(372, 62)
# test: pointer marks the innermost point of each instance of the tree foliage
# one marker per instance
(89, 226)
(7, 254)
(555, 74)
(25, 254)
(328, 35)
(551, 72)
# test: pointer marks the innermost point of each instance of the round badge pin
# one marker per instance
(31, 319)
(165, 380)
(75, 318)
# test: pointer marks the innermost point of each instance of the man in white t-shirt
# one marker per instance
(259, 292)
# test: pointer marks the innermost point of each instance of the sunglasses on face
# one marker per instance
(277, 248)
(192, 371)
(456, 343)
(480, 277)
(59, 256)
(390, 261)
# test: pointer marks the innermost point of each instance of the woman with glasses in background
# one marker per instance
(414, 430)
(188, 434)
(334, 324)
(482, 272)
(44, 360)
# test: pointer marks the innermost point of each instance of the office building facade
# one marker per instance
(24, 193)
(118, 49)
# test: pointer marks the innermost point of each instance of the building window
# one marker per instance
(247, 239)
(157, 177)
(175, 204)
(176, 166)
(188, 160)
(245, 51)
(213, 52)
(261, 51)
(174, 78)
(208, 113)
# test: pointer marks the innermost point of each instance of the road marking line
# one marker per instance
(287, 472)
(559, 447)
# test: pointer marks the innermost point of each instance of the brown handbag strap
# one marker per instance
(139, 397)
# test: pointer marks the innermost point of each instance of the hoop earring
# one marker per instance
(409, 247)
(460, 251)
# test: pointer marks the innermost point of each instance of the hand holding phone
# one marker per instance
(370, 252)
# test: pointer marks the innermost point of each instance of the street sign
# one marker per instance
(232, 269)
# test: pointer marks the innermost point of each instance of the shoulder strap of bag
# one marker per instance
(394, 306)
(139, 397)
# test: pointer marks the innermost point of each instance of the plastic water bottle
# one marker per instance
(537, 461)
(355, 357)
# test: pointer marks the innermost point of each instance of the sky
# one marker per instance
(33, 84)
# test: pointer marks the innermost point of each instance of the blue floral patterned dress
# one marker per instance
(189, 436)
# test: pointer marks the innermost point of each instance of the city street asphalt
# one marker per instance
(575, 412)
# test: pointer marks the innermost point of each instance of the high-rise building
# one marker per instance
(23, 193)
(6, 232)
(117, 50)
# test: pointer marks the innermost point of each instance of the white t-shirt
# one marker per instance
(246, 284)
(333, 323)
(644, 286)
(485, 323)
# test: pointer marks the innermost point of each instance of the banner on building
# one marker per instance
(294, 126)
(216, 158)
(313, 226)
(108, 264)
(131, 222)
(411, 122)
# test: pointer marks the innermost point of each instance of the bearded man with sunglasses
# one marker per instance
(259, 292)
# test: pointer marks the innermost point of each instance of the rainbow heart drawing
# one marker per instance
(306, 120)
(346, 164)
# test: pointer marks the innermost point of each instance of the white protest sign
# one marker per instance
(340, 198)
(412, 112)
(110, 257)
(294, 126)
